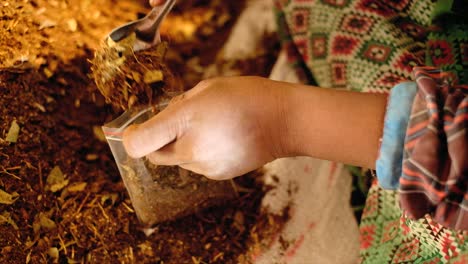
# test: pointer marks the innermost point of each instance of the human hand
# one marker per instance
(222, 128)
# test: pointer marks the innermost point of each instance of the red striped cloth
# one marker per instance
(435, 162)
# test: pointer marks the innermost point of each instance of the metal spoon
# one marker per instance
(146, 29)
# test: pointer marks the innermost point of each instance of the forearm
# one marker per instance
(334, 125)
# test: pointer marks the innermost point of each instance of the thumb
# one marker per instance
(143, 139)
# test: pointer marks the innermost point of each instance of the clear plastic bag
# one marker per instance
(160, 193)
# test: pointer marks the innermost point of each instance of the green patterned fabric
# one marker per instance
(370, 46)
(357, 45)
(447, 46)
(387, 236)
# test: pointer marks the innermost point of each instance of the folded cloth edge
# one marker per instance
(389, 162)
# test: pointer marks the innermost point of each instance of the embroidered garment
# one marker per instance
(388, 236)
(365, 45)
(371, 46)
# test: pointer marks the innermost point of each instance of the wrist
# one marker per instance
(285, 142)
(296, 115)
(333, 125)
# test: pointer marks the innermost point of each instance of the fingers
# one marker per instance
(156, 2)
(200, 87)
(207, 172)
(163, 158)
(162, 129)
(169, 155)
(203, 85)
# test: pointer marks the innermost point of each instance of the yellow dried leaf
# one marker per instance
(6, 198)
(72, 25)
(119, 61)
(47, 23)
(36, 226)
(13, 132)
(53, 253)
(196, 260)
(223, 19)
(46, 223)
(77, 187)
(136, 76)
(5, 218)
(146, 249)
(153, 76)
(56, 180)
(29, 243)
(186, 28)
(132, 100)
(161, 49)
(112, 196)
(39, 106)
(48, 73)
(99, 134)
(125, 92)
(92, 157)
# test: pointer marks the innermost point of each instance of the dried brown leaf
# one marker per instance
(153, 76)
(92, 157)
(5, 218)
(56, 180)
(39, 106)
(97, 130)
(6, 198)
(13, 132)
(48, 72)
(46, 223)
(77, 187)
(53, 253)
(47, 23)
(72, 24)
(111, 196)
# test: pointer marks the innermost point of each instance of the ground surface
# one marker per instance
(61, 197)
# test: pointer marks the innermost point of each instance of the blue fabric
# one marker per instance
(389, 163)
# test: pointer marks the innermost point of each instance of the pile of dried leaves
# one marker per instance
(129, 79)
(61, 197)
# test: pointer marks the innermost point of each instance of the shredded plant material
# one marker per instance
(174, 193)
(88, 217)
(127, 78)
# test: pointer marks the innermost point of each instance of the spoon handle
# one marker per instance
(147, 31)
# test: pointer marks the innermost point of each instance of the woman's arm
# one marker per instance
(225, 127)
(335, 125)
